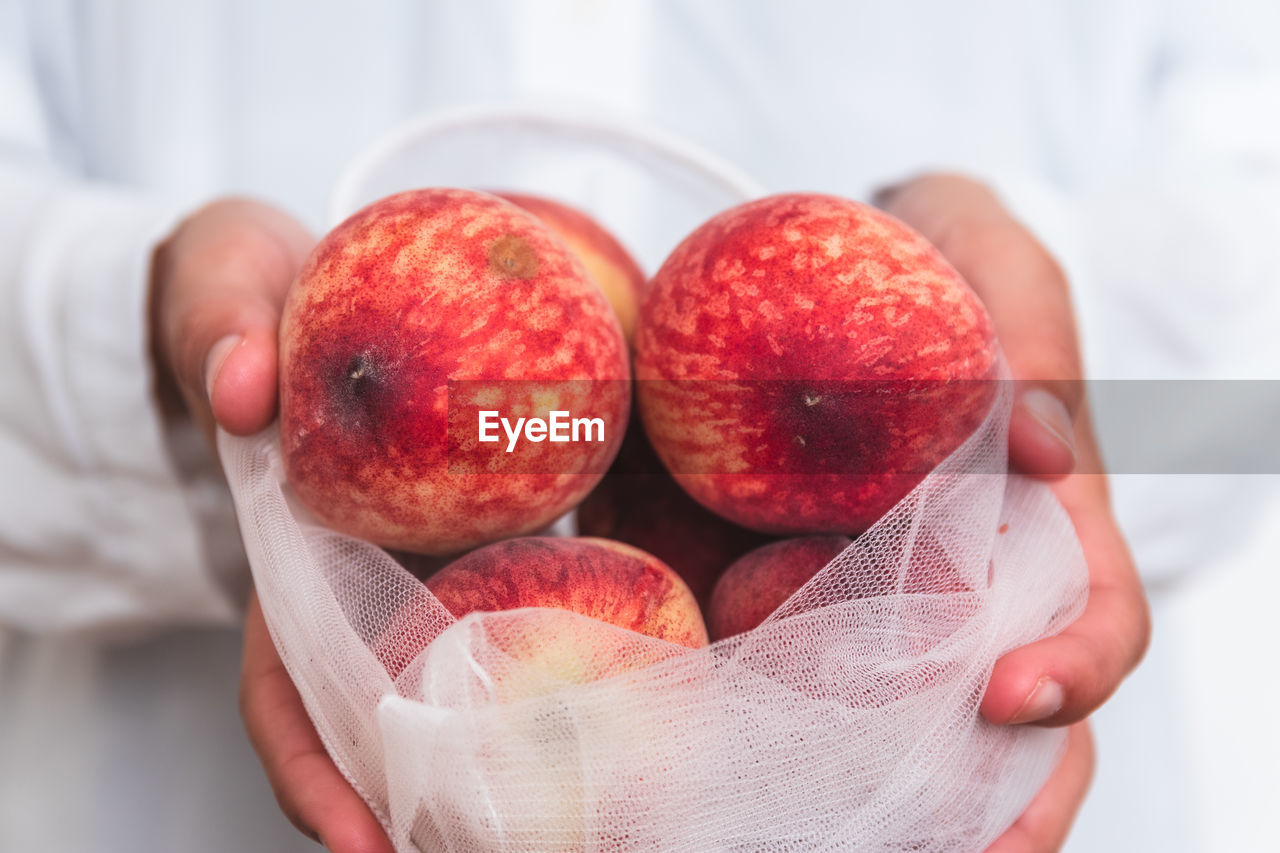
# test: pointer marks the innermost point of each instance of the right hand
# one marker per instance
(1059, 680)
(218, 282)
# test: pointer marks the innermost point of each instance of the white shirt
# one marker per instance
(1141, 140)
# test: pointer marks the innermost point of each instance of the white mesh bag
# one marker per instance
(847, 721)
(841, 723)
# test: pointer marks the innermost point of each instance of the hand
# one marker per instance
(311, 791)
(1059, 680)
(217, 286)
(1044, 824)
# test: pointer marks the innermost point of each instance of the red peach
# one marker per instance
(610, 265)
(521, 656)
(408, 320)
(639, 503)
(803, 360)
(604, 580)
(759, 582)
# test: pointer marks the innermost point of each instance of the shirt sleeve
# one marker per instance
(1172, 263)
(111, 520)
(1172, 249)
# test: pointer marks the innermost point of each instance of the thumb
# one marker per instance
(240, 378)
(219, 282)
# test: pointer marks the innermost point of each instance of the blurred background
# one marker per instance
(1140, 141)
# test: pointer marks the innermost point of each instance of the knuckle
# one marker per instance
(938, 192)
(997, 245)
(1093, 680)
(1000, 245)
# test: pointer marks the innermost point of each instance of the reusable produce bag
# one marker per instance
(847, 721)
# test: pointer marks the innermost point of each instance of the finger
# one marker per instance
(1045, 823)
(311, 791)
(224, 275)
(1064, 678)
(240, 378)
(1026, 294)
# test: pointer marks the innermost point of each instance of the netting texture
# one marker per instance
(847, 721)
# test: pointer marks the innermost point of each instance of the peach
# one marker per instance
(759, 582)
(517, 657)
(803, 360)
(407, 324)
(641, 504)
(608, 262)
(607, 581)
(604, 580)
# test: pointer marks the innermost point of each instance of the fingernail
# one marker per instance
(213, 362)
(1051, 413)
(1045, 700)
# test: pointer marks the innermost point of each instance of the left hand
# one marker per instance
(217, 286)
(1059, 680)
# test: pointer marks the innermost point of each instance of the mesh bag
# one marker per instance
(847, 721)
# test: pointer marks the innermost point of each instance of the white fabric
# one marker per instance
(98, 532)
(1142, 139)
